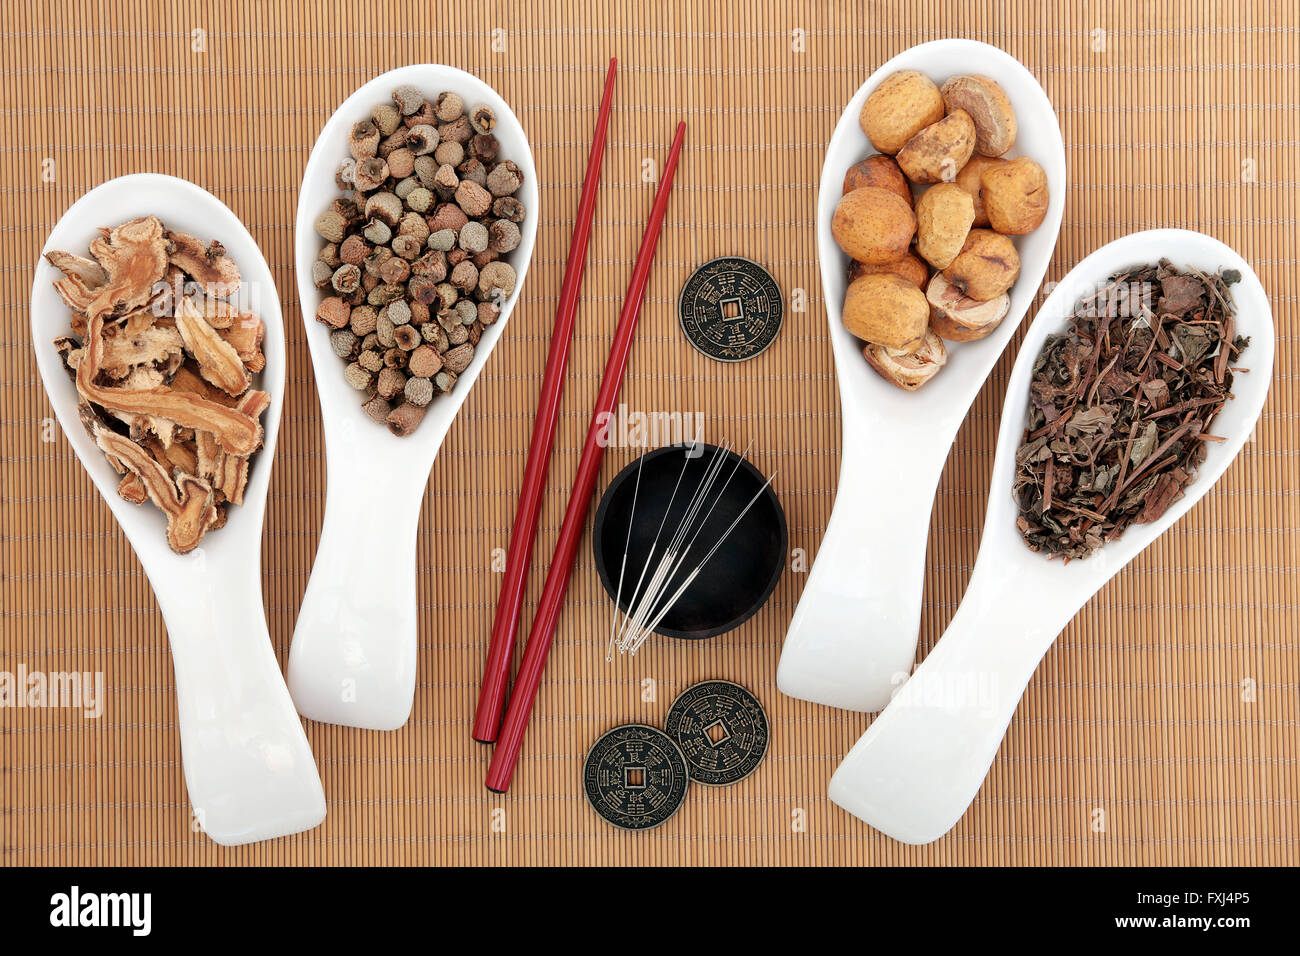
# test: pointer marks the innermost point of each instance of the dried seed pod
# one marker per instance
(431, 265)
(475, 333)
(376, 409)
(496, 281)
(424, 362)
(375, 261)
(449, 154)
(394, 269)
(421, 140)
(426, 167)
(395, 357)
(404, 419)
(390, 382)
(421, 200)
(321, 273)
(384, 206)
(408, 99)
(371, 342)
(473, 237)
(378, 232)
(407, 337)
(358, 377)
(465, 276)
(384, 329)
(445, 381)
(435, 336)
(344, 343)
(372, 360)
(458, 335)
(447, 215)
(483, 258)
(505, 178)
(409, 248)
(473, 199)
(423, 291)
(467, 311)
(370, 174)
(424, 116)
(488, 312)
(332, 225)
(329, 254)
(510, 208)
(363, 140)
(387, 292)
(447, 295)
(458, 359)
(457, 131)
(485, 147)
(406, 187)
(347, 279)
(503, 236)
(474, 171)
(387, 117)
(344, 175)
(362, 321)
(456, 256)
(333, 312)
(483, 119)
(908, 370)
(353, 251)
(389, 144)
(419, 312)
(418, 391)
(448, 106)
(401, 162)
(445, 181)
(399, 313)
(442, 240)
(958, 317)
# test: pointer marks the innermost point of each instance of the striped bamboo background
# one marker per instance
(1177, 116)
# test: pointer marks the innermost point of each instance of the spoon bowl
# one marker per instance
(854, 633)
(918, 767)
(248, 768)
(353, 655)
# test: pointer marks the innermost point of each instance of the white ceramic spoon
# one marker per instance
(353, 655)
(919, 765)
(248, 767)
(853, 636)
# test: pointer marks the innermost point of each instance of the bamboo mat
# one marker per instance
(1166, 713)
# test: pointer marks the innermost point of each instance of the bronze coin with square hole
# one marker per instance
(730, 309)
(722, 730)
(635, 777)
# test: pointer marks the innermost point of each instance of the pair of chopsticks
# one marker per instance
(509, 735)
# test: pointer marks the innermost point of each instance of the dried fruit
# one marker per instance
(873, 225)
(887, 310)
(937, 153)
(900, 107)
(944, 214)
(1015, 196)
(879, 171)
(986, 267)
(908, 370)
(989, 109)
(165, 379)
(909, 267)
(436, 215)
(969, 179)
(960, 318)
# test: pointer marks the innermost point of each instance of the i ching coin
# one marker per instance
(635, 777)
(730, 309)
(722, 730)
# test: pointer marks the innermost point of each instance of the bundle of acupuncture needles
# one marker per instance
(652, 599)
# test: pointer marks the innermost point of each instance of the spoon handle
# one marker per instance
(921, 762)
(853, 636)
(353, 656)
(248, 768)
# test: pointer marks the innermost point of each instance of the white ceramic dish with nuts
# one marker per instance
(920, 764)
(353, 657)
(248, 768)
(854, 633)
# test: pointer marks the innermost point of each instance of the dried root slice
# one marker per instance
(219, 363)
(150, 347)
(82, 279)
(187, 502)
(209, 266)
(245, 335)
(131, 489)
(134, 255)
(909, 370)
(959, 318)
(70, 351)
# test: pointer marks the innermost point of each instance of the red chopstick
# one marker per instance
(542, 634)
(496, 672)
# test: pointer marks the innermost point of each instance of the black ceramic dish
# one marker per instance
(736, 582)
